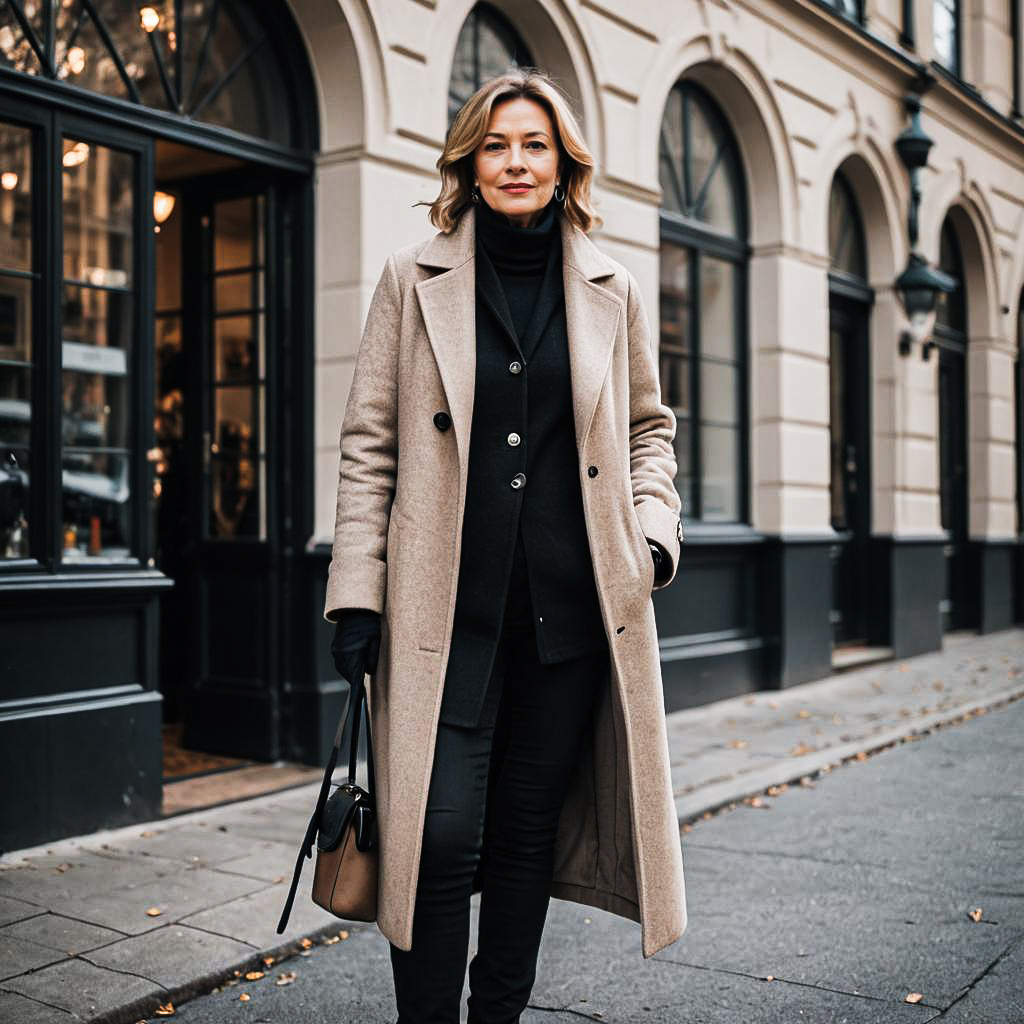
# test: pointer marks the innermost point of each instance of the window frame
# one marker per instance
(50, 126)
(700, 241)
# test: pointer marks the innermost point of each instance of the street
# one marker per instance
(845, 901)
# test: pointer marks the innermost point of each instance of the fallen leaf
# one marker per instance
(975, 915)
(769, 977)
(165, 1010)
(737, 744)
(860, 756)
(253, 975)
(280, 878)
(343, 935)
(807, 782)
(286, 978)
(147, 835)
(268, 960)
(153, 911)
(803, 713)
(914, 997)
(63, 867)
(800, 749)
(306, 943)
(331, 940)
(244, 997)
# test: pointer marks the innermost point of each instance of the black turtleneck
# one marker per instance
(518, 255)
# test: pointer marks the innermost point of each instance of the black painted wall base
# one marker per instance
(796, 600)
(994, 575)
(909, 578)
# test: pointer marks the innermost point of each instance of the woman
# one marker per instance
(505, 508)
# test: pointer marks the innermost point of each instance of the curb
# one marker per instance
(140, 1010)
(717, 796)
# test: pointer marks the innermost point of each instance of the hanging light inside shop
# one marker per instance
(149, 18)
(9, 181)
(76, 154)
(76, 60)
(163, 206)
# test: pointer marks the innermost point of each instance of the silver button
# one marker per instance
(515, 366)
(514, 439)
(519, 480)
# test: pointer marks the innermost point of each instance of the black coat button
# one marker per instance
(442, 420)
(519, 480)
(515, 366)
(592, 471)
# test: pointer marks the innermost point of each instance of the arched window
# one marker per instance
(946, 33)
(487, 46)
(846, 232)
(703, 281)
(219, 65)
(950, 309)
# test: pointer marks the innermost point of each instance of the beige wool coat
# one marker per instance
(401, 496)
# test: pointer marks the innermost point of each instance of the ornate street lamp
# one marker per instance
(919, 284)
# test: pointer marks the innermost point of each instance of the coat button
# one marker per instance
(514, 439)
(592, 471)
(519, 480)
(442, 420)
(515, 366)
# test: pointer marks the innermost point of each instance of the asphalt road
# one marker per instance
(828, 904)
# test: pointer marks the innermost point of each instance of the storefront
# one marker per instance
(155, 353)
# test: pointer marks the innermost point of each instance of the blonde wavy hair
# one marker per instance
(469, 127)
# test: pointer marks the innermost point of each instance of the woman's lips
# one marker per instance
(516, 190)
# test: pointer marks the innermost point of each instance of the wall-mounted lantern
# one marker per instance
(919, 284)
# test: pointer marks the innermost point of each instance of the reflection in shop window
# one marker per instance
(16, 283)
(946, 25)
(97, 316)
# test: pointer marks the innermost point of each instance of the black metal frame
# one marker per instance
(699, 240)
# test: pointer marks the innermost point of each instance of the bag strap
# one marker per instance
(352, 713)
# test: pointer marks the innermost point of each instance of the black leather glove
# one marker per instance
(356, 643)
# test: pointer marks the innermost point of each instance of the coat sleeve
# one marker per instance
(652, 427)
(368, 462)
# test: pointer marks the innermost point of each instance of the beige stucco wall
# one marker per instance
(805, 95)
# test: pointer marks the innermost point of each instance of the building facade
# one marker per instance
(196, 202)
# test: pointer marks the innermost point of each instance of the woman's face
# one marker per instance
(516, 162)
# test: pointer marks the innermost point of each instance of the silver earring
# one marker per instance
(559, 198)
(476, 193)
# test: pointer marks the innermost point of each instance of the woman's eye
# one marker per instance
(492, 146)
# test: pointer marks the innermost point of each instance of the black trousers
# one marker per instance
(543, 714)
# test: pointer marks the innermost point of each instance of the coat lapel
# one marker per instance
(592, 317)
(448, 306)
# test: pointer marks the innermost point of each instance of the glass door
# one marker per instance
(215, 514)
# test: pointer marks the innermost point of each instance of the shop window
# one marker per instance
(702, 352)
(852, 9)
(946, 34)
(217, 65)
(17, 282)
(97, 317)
(487, 46)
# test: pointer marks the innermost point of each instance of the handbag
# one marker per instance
(344, 830)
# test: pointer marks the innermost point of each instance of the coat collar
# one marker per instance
(448, 304)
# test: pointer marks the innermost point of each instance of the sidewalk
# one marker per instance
(111, 926)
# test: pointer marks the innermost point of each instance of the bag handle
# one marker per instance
(352, 712)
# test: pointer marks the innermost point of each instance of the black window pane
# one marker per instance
(950, 309)
(487, 46)
(847, 249)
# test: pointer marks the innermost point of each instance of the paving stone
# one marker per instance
(18, 955)
(268, 861)
(254, 918)
(55, 931)
(83, 989)
(174, 955)
(189, 844)
(16, 910)
(18, 1009)
(183, 893)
